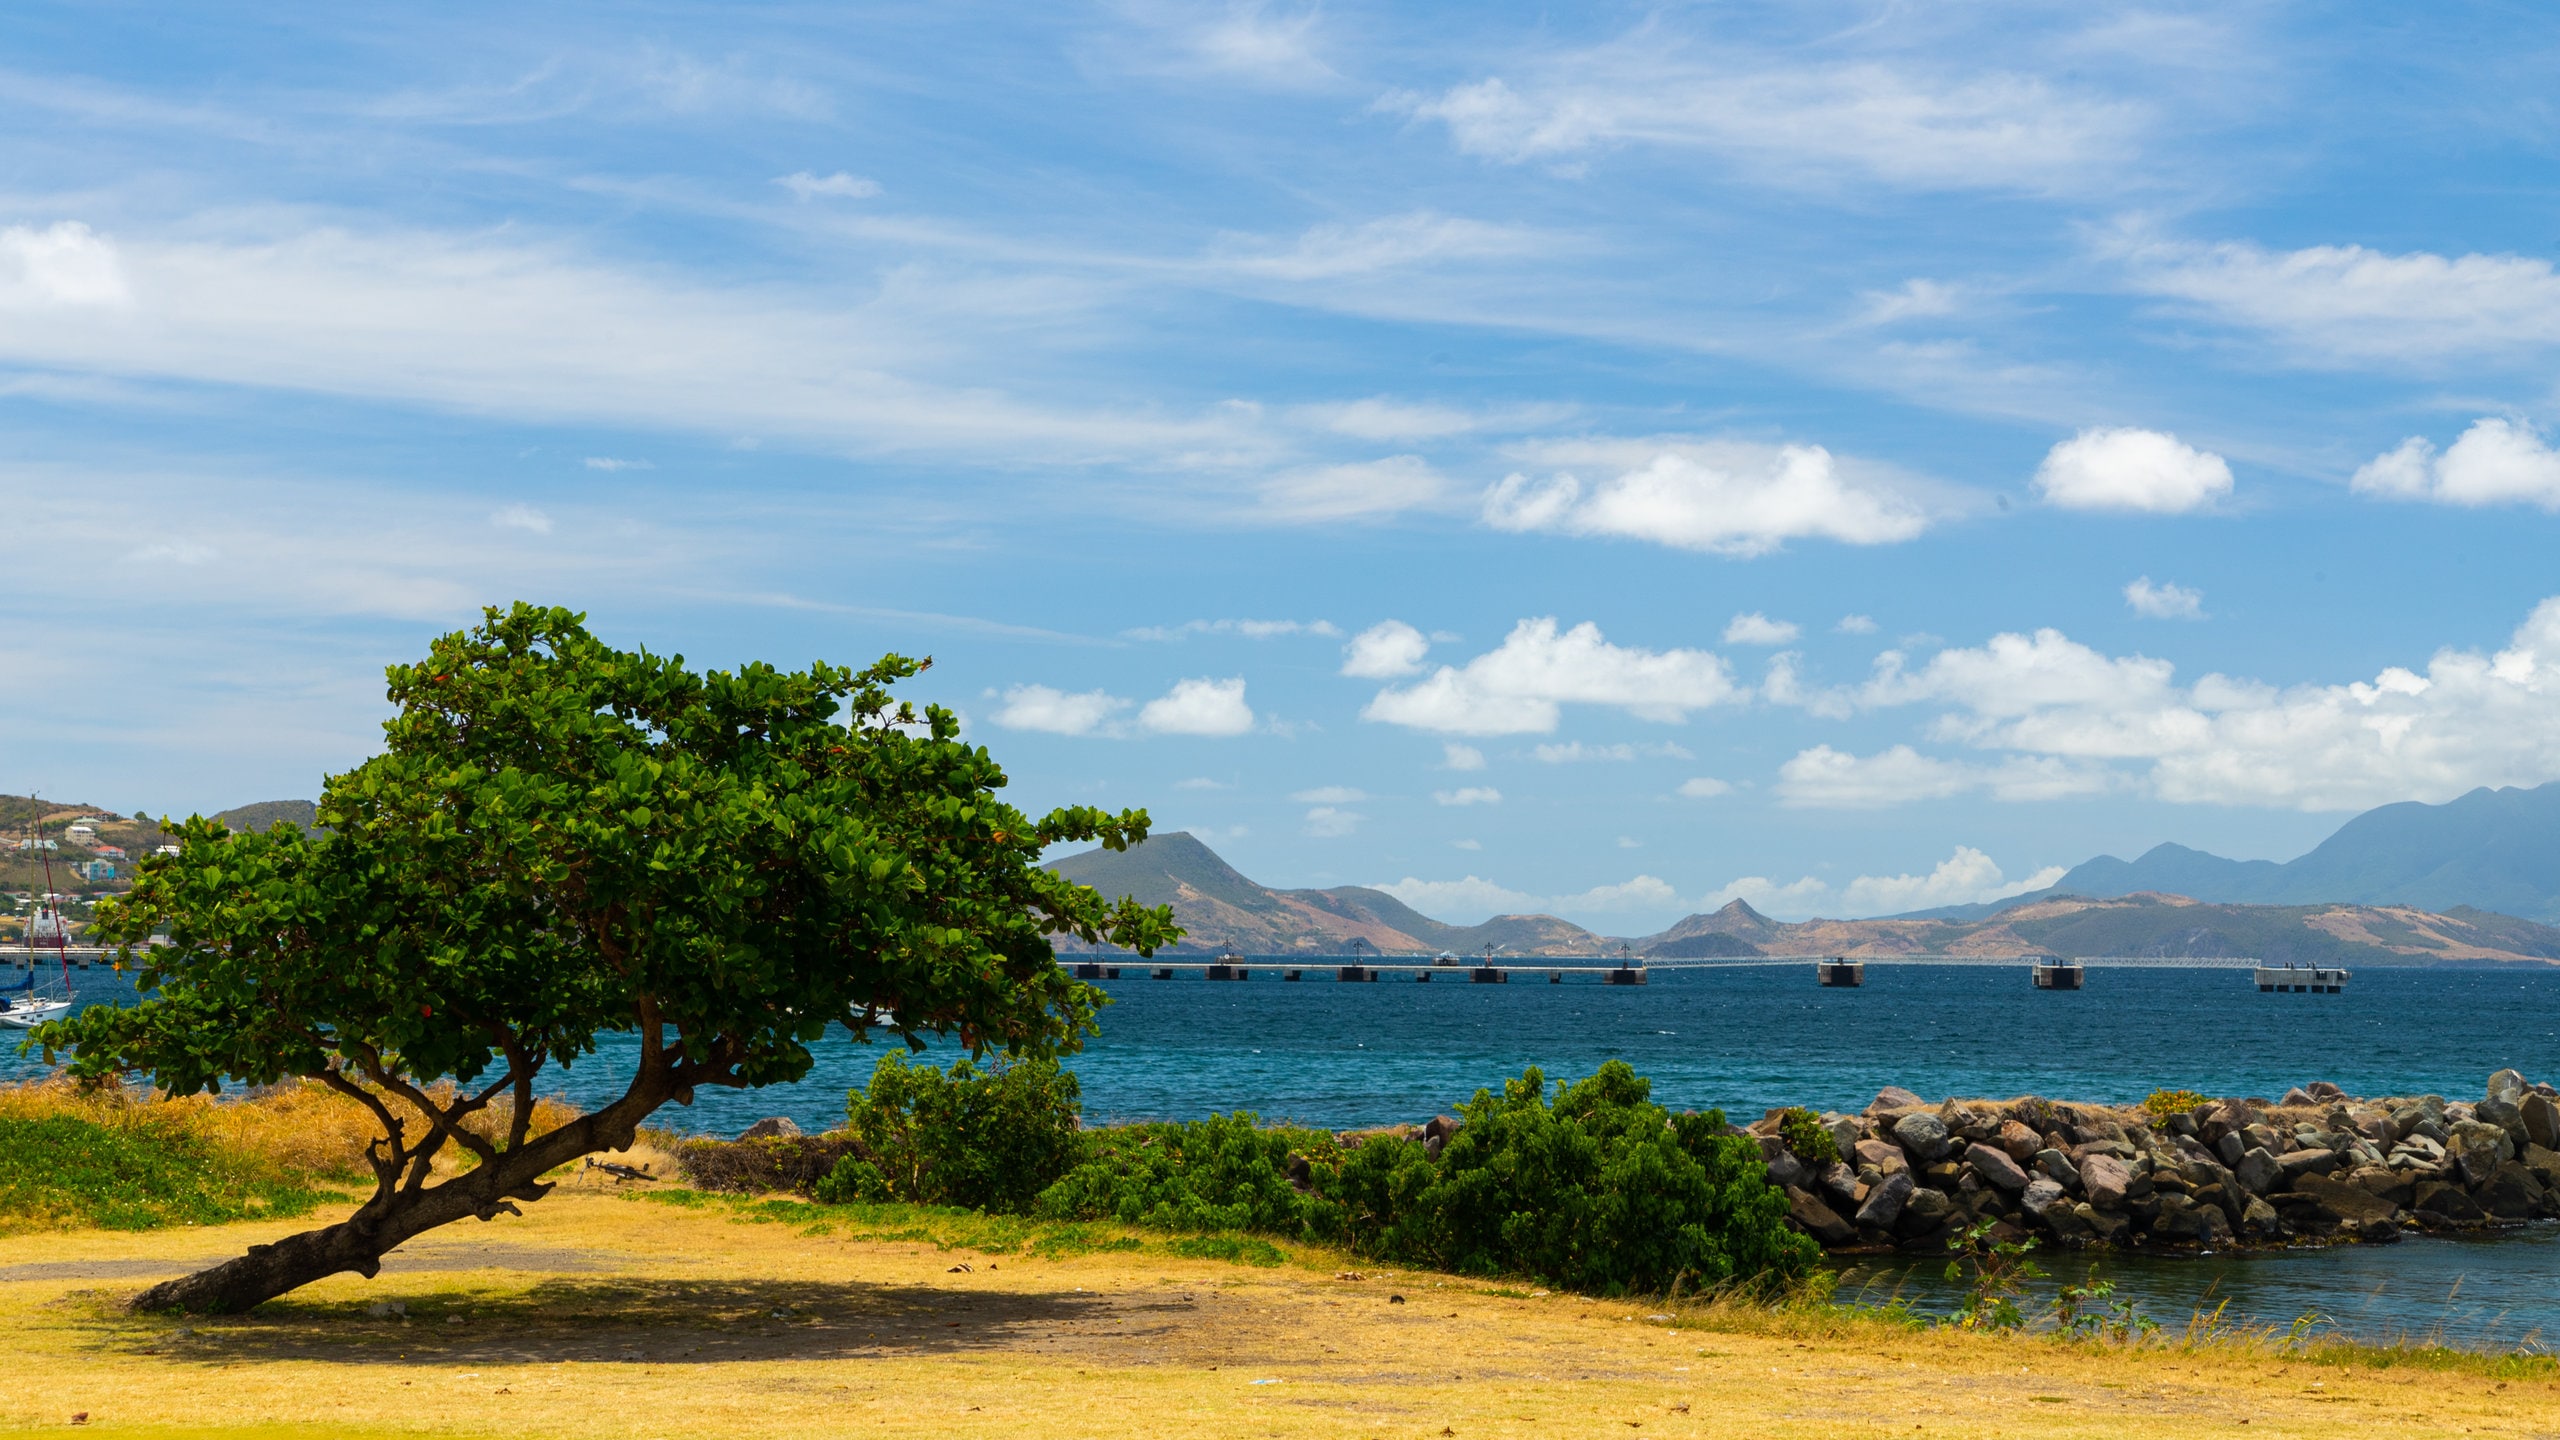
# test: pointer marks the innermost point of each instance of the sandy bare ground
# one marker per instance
(598, 1315)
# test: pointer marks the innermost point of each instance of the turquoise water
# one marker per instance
(1746, 1038)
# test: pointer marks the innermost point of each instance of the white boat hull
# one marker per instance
(26, 1016)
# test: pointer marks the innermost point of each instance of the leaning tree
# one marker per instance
(562, 840)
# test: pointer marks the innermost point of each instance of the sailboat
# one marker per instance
(34, 1000)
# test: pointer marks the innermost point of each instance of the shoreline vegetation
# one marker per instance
(1234, 1191)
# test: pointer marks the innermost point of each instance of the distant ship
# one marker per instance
(36, 999)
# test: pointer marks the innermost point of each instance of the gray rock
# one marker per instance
(1894, 1097)
(1922, 1135)
(2447, 1203)
(1885, 1201)
(1845, 1131)
(1995, 1167)
(1817, 1219)
(1841, 1184)
(2298, 1096)
(2345, 1204)
(2309, 1160)
(2265, 1137)
(2541, 1116)
(1925, 1206)
(2506, 1087)
(2396, 1186)
(2057, 1167)
(2041, 1194)
(2213, 1228)
(2108, 1226)
(2543, 1161)
(776, 1127)
(2512, 1192)
(2018, 1141)
(2477, 1150)
(2509, 1118)
(2258, 1172)
(2326, 1090)
(2231, 1147)
(2177, 1217)
(2258, 1220)
(1886, 1156)
(1784, 1168)
(2107, 1179)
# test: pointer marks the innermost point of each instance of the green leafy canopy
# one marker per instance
(561, 839)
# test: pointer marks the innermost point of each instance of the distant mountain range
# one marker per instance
(2491, 849)
(1221, 909)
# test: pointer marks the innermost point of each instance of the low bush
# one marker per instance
(1807, 1140)
(2161, 1104)
(982, 1139)
(1596, 1189)
(796, 1164)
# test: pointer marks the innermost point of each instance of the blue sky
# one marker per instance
(1605, 459)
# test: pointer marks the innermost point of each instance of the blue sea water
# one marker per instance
(1748, 1037)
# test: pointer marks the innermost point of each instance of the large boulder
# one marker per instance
(2258, 1220)
(2478, 1148)
(2506, 1087)
(2309, 1160)
(2178, 1217)
(1817, 1219)
(2397, 1186)
(1840, 1184)
(2213, 1228)
(1894, 1097)
(2057, 1167)
(2448, 1203)
(773, 1127)
(2512, 1192)
(2042, 1193)
(1885, 1201)
(2107, 1180)
(2258, 1172)
(1922, 1135)
(1995, 1167)
(2509, 1118)
(1845, 1131)
(2544, 1162)
(1884, 1155)
(2541, 1116)
(1784, 1168)
(1924, 1212)
(2349, 1206)
(2019, 1141)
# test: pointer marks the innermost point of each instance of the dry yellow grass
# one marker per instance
(595, 1315)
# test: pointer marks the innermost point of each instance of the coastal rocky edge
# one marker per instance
(2318, 1166)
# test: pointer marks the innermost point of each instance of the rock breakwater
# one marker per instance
(2317, 1166)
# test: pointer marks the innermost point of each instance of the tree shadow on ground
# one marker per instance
(668, 1322)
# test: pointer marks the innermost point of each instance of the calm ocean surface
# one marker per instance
(1745, 1038)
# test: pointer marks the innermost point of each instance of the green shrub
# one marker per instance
(988, 1139)
(2161, 1104)
(854, 1181)
(1599, 1190)
(1807, 1140)
(1223, 1173)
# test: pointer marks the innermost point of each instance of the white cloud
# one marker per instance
(1916, 300)
(1203, 782)
(65, 265)
(1384, 651)
(1856, 625)
(2496, 462)
(1521, 687)
(1468, 795)
(608, 463)
(1243, 40)
(1454, 756)
(839, 186)
(1968, 877)
(1787, 120)
(1353, 491)
(1199, 707)
(1576, 751)
(2344, 303)
(1396, 242)
(1382, 419)
(1704, 787)
(1249, 629)
(1754, 628)
(1466, 844)
(1326, 822)
(1330, 795)
(1459, 902)
(1725, 498)
(2164, 601)
(522, 517)
(2073, 720)
(2127, 469)
(1643, 893)
(1037, 707)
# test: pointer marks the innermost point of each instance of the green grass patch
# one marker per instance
(61, 1170)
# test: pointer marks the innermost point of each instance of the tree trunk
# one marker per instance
(383, 1223)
